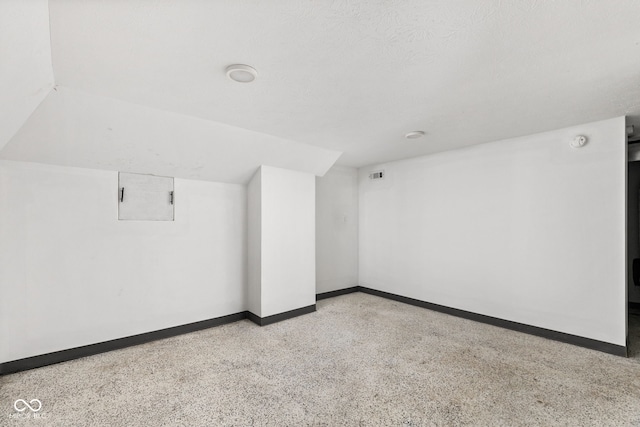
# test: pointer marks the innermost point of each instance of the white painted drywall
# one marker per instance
(287, 240)
(528, 230)
(254, 250)
(71, 274)
(73, 128)
(337, 229)
(26, 74)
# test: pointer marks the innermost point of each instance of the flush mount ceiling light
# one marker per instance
(414, 134)
(241, 73)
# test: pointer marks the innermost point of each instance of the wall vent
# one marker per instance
(376, 175)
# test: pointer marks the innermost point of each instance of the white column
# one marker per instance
(281, 231)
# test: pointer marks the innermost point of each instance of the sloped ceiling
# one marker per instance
(26, 76)
(103, 133)
(348, 76)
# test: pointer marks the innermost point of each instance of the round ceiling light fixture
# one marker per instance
(414, 134)
(241, 73)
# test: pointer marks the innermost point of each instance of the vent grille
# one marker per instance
(376, 175)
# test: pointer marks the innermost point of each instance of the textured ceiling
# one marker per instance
(353, 76)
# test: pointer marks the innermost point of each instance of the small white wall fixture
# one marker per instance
(281, 230)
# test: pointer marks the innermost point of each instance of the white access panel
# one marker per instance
(145, 197)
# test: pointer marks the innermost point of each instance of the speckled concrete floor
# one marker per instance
(359, 361)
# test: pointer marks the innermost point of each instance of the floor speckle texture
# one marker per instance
(360, 360)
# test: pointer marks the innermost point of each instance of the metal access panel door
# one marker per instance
(145, 197)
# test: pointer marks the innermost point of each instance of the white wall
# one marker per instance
(254, 215)
(71, 274)
(337, 229)
(287, 240)
(528, 230)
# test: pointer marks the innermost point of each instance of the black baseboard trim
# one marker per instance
(255, 319)
(589, 343)
(634, 305)
(337, 293)
(264, 321)
(102, 347)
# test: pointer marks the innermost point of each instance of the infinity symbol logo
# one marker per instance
(33, 402)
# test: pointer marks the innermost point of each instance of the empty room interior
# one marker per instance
(319, 213)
